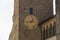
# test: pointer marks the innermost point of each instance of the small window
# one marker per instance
(54, 29)
(51, 30)
(47, 31)
(43, 33)
(31, 10)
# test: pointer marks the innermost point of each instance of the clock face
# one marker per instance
(31, 22)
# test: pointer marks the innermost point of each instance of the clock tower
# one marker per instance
(28, 14)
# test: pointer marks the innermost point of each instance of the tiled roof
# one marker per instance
(46, 20)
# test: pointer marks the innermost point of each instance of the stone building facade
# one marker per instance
(41, 10)
(58, 19)
(48, 29)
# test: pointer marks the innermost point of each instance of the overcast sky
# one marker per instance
(6, 13)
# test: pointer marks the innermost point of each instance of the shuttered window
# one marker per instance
(31, 10)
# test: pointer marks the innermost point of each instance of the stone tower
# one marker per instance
(35, 12)
(58, 19)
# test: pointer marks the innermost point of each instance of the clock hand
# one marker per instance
(31, 20)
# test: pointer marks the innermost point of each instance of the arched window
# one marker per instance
(50, 30)
(54, 28)
(46, 31)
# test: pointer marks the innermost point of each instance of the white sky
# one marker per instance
(6, 13)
